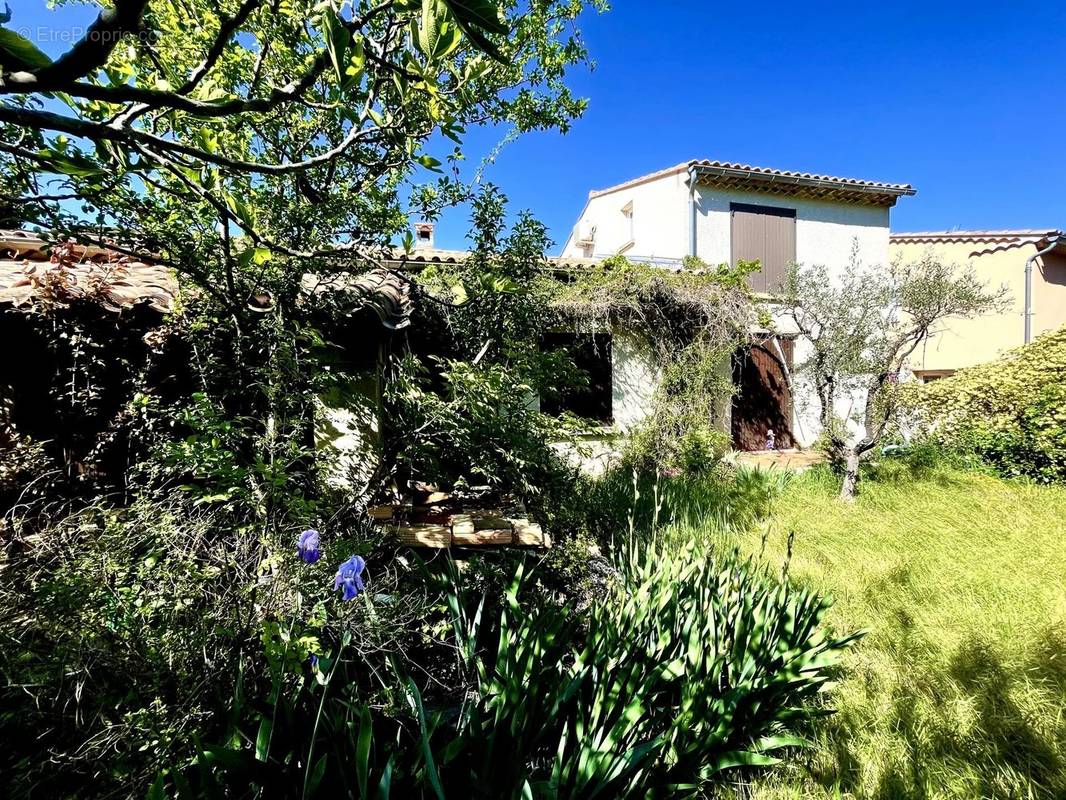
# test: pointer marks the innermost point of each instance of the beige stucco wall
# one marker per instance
(965, 342)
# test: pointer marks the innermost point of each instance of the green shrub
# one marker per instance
(1010, 412)
(120, 638)
(693, 665)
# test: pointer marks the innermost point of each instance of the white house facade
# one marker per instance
(721, 213)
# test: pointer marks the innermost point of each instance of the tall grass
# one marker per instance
(622, 501)
(959, 690)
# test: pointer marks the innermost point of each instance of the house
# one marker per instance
(999, 258)
(722, 212)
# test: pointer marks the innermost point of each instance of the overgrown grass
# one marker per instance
(959, 688)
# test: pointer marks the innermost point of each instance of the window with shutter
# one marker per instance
(765, 234)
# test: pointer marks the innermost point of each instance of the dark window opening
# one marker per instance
(591, 355)
(765, 234)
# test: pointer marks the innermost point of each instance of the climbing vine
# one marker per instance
(692, 320)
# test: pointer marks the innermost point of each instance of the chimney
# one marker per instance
(423, 236)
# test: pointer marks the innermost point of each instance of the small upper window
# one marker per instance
(627, 212)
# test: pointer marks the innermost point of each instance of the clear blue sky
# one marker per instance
(966, 101)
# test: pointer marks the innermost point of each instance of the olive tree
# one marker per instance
(862, 327)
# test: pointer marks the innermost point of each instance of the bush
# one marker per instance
(1010, 412)
(120, 639)
(693, 665)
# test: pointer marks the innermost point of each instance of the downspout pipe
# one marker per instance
(692, 210)
(1052, 244)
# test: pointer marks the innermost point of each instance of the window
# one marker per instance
(591, 353)
(424, 234)
(928, 376)
(765, 234)
(627, 212)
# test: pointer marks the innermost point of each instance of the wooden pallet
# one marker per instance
(474, 528)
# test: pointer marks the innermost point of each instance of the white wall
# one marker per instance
(634, 378)
(660, 220)
(348, 431)
(825, 232)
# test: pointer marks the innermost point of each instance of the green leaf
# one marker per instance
(449, 39)
(19, 53)
(315, 778)
(244, 213)
(385, 784)
(427, 27)
(156, 792)
(427, 750)
(474, 16)
(430, 163)
(76, 165)
(362, 750)
(208, 139)
(483, 13)
(262, 741)
(337, 40)
(356, 64)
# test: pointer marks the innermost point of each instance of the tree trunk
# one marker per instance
(850, 487)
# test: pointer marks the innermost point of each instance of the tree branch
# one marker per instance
(89, 54)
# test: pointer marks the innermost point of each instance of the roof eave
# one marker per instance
(886, 194)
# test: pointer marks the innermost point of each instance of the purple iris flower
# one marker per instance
(350, 577)
(307, 548)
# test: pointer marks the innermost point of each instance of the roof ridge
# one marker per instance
(1015, 233)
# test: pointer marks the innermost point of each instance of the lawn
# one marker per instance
(959, 688)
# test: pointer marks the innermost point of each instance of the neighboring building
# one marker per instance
(998, 258)
(723, 213)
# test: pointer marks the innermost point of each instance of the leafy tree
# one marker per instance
(245, 143)
(459, 396)
(217, 135)
(862, 327)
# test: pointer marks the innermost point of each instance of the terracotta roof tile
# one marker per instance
(778, 181)
(937, 237)
(116, 281)
(381, 290)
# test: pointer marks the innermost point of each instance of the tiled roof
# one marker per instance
(117, 282)
(778, 181)
(384, 292)
(939, 237)
(422, 258)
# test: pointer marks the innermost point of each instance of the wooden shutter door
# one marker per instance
(765, 234)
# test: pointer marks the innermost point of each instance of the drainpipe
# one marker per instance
(692, 210)
(1052, 244)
